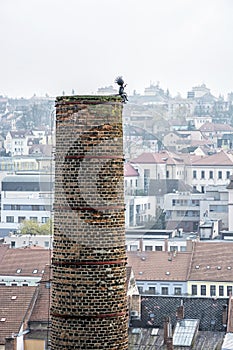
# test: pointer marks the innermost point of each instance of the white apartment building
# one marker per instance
(26, 197)
(150, 240)
(139, 210)
(215, 205)
(25, 241)
(183, 210)
(214, 170)
(16, 142)
(158, 166)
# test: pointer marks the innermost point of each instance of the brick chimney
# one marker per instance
(167, 329)
(180, 312)
(89, 303)
(170, 343)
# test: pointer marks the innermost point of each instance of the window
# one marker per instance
(177, 290)
(228, 174)
(158, 248)
(21, 219)
(140, 289)
(47, 285)
(183, 248)
(167, 174)
(173, 248)
(133, 248)
(220, 174)
(212, 290)
(146, 179)
(211, 174)
(202, 174)
(203, 289)
(194, 289)
(221, 291)
(148, 248)
(44, 219)
(202, 189)
(164, 290)
(151, 290)
(33, 218)
(46, 244)
(229, 290)
(10, 219)
(194, 174)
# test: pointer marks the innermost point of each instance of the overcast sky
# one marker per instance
(50, 46)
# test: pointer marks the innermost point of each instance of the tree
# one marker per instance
(30, 227)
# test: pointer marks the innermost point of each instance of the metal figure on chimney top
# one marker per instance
(119, 80)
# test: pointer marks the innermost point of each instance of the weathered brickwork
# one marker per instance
(89, 304)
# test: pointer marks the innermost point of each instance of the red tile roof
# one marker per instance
(219, 158)
(129, 170)
(26, 259)
(210, 127)
(212, 261)
(159, 266)
(163, 157)
(14, 303)
(41, 308)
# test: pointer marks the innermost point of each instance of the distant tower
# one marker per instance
(89, 303)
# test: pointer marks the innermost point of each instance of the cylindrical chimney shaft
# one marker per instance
(89, 304)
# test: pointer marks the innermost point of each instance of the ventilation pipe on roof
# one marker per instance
(167, 329)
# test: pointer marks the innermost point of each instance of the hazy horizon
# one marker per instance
(53, 46)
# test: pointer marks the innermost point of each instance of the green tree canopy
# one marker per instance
(30, 227)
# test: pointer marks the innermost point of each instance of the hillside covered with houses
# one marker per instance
(178, 176)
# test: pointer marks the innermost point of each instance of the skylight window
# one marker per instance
(35, 271)
(219, 267)
(18, 270)
(3, 319)
(14, 297)
(228, 267)
(197, 267)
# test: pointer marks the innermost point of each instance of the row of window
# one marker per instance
(163, 290)
(212, 290)
(140, 207)
(186, 203)
(27, 207)
(131, 183)
(178, 290)
(22, 218)
(158, 248)
(211, 174)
